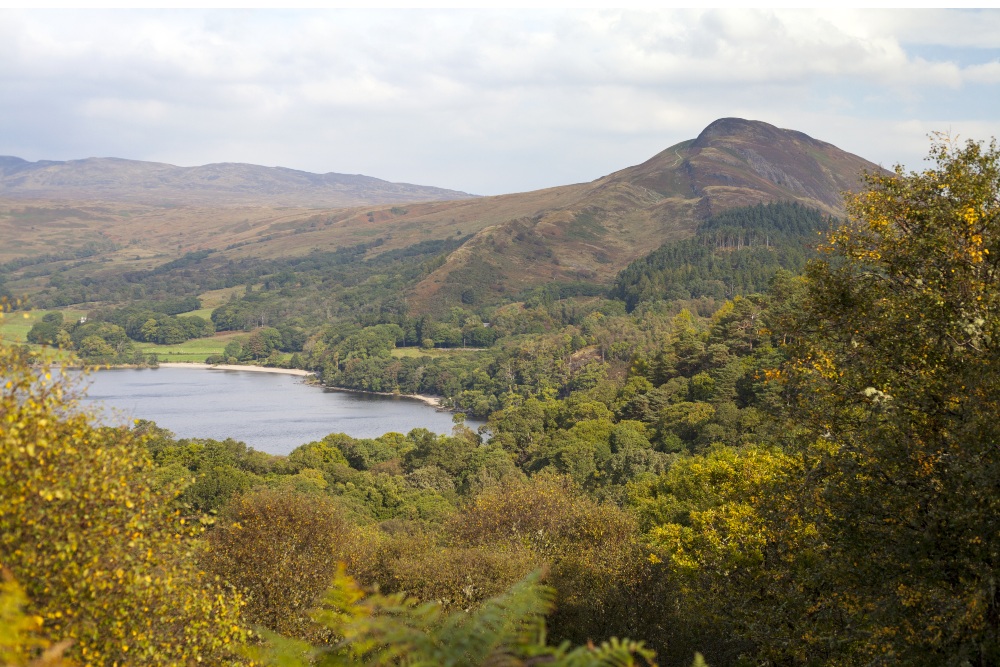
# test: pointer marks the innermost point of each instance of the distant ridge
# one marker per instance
(223, 184)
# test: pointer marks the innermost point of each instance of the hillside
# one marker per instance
(596, 229)
(578, 235)
(225, 184)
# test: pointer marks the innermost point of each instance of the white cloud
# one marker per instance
(988, 73)
(486, 101)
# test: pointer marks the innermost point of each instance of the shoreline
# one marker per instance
(433, 401)
(234, 367)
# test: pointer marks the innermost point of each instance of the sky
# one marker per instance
(484, 101)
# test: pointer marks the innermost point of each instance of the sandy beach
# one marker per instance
(234, 367)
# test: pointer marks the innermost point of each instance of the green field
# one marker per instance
(14, 327)
(204, 313)
(193, 350)
(215, 298)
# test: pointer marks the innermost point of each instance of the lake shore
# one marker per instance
(433, 401)
(270, 412)
(234, 367)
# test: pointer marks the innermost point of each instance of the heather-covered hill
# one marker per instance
(616, 219)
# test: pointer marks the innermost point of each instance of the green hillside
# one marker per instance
(736, 252)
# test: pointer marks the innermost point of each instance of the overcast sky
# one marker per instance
(484, 101)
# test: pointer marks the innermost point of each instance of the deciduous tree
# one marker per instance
(104, 559)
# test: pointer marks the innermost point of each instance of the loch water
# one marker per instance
(271, 412)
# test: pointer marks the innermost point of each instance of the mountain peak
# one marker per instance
(755, 131)
(739, 162)
(595, 229)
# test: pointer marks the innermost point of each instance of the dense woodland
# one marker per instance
(765, 445)
(734, 252)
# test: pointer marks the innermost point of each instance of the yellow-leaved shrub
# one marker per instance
(104, 558)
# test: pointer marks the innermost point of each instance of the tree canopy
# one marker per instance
(872, 537)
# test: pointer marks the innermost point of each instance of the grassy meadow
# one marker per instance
(14, 327)
(196, 349)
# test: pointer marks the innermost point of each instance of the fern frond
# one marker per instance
(612, 653)
(395, 631)
(497, 632)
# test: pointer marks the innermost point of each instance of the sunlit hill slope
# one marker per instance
(149, 214)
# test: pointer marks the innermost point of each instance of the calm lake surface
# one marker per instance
(270, 412)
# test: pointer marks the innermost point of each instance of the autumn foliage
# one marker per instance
(280, 548)
(104, 560)
(805, 477)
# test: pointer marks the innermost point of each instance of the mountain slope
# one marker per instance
(732, 159)
(578, 236)
(610, 222)
(226, 184)
(736, 252)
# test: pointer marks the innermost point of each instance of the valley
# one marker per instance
(726, 398)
